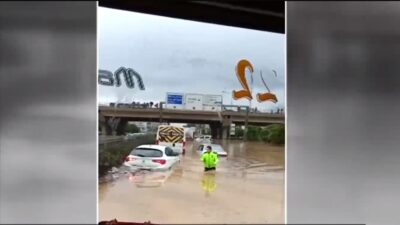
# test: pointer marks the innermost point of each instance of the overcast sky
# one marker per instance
(175, 55)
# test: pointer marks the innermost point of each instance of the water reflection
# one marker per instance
(208, 182)
(176, 176)
(149, 179)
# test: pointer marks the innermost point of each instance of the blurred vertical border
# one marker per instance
(342, 112)
(48, 171)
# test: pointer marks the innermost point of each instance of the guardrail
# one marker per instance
(110, 139)
(116, 139)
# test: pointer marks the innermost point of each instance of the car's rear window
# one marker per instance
(217, 148)
(146, 152)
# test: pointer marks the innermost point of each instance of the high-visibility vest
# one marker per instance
(210, 159)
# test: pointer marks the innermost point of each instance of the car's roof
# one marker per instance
(216, 146)
(211, 144)
(158, 147)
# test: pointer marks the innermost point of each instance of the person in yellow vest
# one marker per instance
(210, 159)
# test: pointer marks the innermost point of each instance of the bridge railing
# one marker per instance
(160, 106)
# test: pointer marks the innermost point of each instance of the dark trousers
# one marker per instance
(207, 169)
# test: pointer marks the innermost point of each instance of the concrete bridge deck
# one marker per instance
(190, 116)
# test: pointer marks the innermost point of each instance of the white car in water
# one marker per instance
(214, 147)
(151, 157)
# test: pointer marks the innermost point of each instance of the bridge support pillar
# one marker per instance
(226, 126)
(216, 130)
(114, 126)
(121, 127)
(105, 127)
(225, 132)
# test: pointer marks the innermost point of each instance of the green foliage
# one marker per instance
(132, 128)
(239, 132)
(253, 133)
(264, 135)
(273, 134)
(276, 134)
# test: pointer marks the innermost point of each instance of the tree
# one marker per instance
(132, 128)
(239, 132)
(264, 135)
(276, 133)
(253, 133)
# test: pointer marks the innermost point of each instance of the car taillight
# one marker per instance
(161, 161)
(129, 158)
(184, 143)
(157, 142)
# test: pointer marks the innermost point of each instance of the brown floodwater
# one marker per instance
(248, 187)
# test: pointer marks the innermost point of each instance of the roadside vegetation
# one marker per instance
(132, 128)
(274, 133)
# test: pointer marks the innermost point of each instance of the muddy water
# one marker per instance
(248, 187)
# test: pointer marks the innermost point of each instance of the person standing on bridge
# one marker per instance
(210, 159)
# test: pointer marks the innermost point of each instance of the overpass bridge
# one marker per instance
(219, 121)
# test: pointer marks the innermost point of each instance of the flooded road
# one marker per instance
(248, 187)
